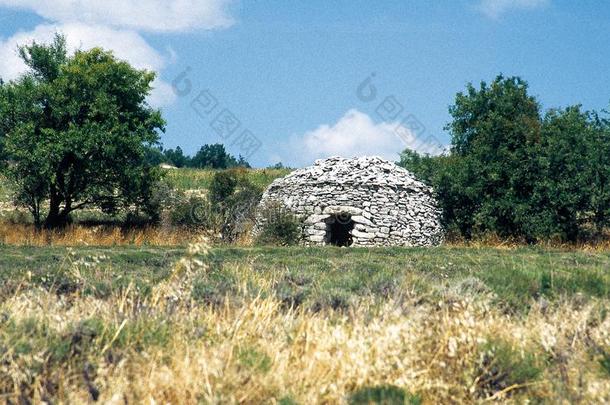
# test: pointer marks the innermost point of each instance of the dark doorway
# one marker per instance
(340, 228)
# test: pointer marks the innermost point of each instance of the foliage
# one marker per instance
(176, 157)
(208, 157)
(599, 172)
(563, 185)
(516, 174)
(192, 212)
(216, 157)
(277, 166)
(223, 186)
(280, 227)
(153, 155)
(233, 197)
(494, 131)
(503, 366)
(383, 395)
(426, 167)
(75, 129)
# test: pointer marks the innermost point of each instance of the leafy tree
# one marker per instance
(216, 157)
(176, 157)
(75, 129)
(599, 174)
(516, 174)
(447, 175)
(495, 135)
(563, 192)
(277, 166)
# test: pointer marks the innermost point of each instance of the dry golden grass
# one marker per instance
(102, 235)
(494, 241)
(108, 235)
(166, 348)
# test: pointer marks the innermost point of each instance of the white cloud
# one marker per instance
(126, 45)
(148, 15)
(355, 134)
(496, 8)
(114, 25)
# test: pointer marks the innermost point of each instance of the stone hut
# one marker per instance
(366, 201)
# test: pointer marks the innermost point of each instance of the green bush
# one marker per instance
(192, 212)
(503, 366)
(227, 208)
(233, 197)
(383, 395)
(223, 185)
(517, 173)
(254, 359)
(280, 227)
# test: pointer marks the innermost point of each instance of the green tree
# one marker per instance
(563, 193)
(75, 130)
(495, 138)
(176, 157)
(449, 177)
(599, 174)
(216, 157)
(425, 167)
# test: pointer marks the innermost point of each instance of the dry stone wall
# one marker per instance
(384, 204)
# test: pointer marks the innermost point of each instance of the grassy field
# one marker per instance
(190, 179)
(199, 179)
(327, 277)
(304, 325)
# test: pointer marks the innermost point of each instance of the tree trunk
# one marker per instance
(56, 218)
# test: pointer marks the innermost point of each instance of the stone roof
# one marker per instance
(365, 201)
(361, 171)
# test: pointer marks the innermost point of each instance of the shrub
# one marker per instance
(192, 212)
(223, 185)
(254, 359)
(233, 197)
(161, 197)
(280, 227)
(383, 394)
(503, 366)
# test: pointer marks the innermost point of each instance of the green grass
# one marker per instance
(199, 179)
(190, 179)
(383, 395)
(319, 278)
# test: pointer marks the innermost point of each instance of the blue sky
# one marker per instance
(285, 75)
